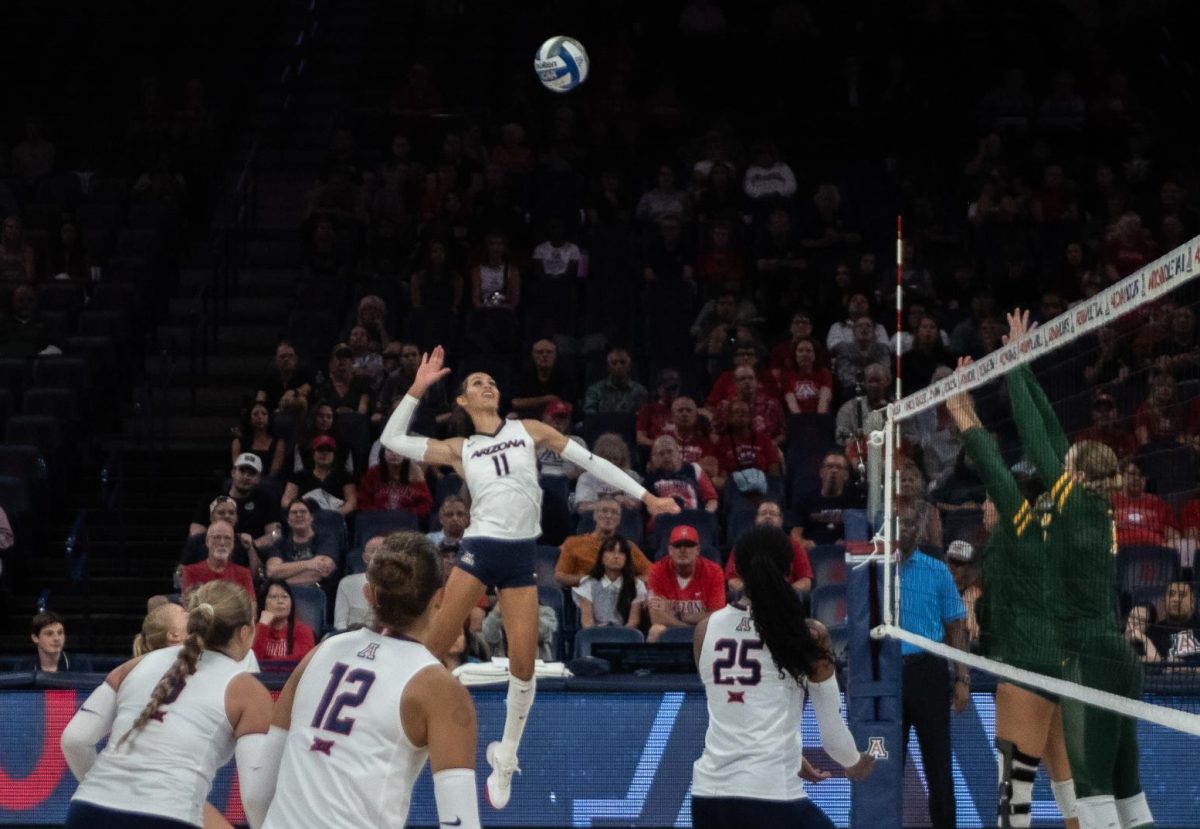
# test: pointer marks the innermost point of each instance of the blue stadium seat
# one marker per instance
(829, 605)
(1139, 567)
(609, 634)
(52, 402)
(370, 523)
(829, 565)
(857, 526)
(545, 557)
(678, 636)
(36, 430)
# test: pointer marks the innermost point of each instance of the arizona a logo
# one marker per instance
(877, 748)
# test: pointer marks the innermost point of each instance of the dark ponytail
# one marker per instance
(628, 592)
(763, 557)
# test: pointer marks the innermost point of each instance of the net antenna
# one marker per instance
(1147, 285)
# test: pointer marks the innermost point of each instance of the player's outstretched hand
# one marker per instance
(811, 773)
(657, 505)
(429, 371)
(1018, 325)
(862, 769)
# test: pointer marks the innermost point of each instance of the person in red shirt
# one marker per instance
(783, 353)
(684, 588)
(765, 412)
(397, 483)
(1104, 428)
(278, 635)
(690, 434)
(806, 388)
(653, 417)
(1141, 518)
(801, 577)
(725, 387)
(1161, 417)
(218, 538)
(741, 447)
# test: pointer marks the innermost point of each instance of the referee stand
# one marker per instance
(873, 700)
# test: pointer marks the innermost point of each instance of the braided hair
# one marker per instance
(216, 612)
(763, 558)
(628, 592)
(404, 575)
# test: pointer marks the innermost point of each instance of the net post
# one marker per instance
(899, 300)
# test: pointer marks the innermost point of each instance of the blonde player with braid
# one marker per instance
(175, 716)
(1081, 543)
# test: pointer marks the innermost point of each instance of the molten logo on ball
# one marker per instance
(561, 63)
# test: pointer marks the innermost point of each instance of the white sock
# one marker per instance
(1064, 796)
(1134, 811)
(1098, 812)
(520, 699)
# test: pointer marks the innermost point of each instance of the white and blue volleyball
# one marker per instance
(561, 63)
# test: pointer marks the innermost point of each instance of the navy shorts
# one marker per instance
(499, 563)
(751, 813)
(84, 815)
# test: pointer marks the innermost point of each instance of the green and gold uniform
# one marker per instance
(1080, 543)
(1016, 625)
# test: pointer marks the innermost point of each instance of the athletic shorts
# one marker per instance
(499, 563)
(84, 815)
(752, 813)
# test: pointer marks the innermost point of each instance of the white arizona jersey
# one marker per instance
(167, 768)
(347, 762)
(752, 747)
(502, 475)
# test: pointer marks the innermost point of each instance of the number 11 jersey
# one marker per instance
(502, 475)
(347, 762)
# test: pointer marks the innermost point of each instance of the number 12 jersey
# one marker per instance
(347, 762)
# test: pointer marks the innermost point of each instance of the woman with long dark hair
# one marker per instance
(396, 483)
(498, 461)
(175, 716)
(279, 635)
(765, 656)
(611, 593)
(256, 435)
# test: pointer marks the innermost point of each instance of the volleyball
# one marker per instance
(561, 63)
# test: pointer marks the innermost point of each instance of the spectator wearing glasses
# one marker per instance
(618, 393)
(326, 483)
(257, 513)
(304, 558)
(224, 508)
(770, 514)
(542, 383)
(725, 387)
(579, 554)
(820, 515)
(589, 489)
(455, 516)
(684, 587)
(669, 476)
(217, 566)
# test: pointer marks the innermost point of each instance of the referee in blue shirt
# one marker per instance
(931, 607)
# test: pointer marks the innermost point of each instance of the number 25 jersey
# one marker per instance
(752, 747)
(347, 762)
(502, 475)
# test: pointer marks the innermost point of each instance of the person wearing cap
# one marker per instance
(326, 483)
(342, 389)
(684, 586)
(655, 415)
(218, 566)
(960, 558)
(257, 512)
(557, 414)
(1105, 428)
(542, 382)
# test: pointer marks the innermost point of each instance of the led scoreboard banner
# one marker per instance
(609, 758)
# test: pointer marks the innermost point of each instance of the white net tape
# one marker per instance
(1157, 714)
(1149, 284)
(1142, 287)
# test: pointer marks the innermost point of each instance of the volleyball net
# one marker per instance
(1067, 581)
